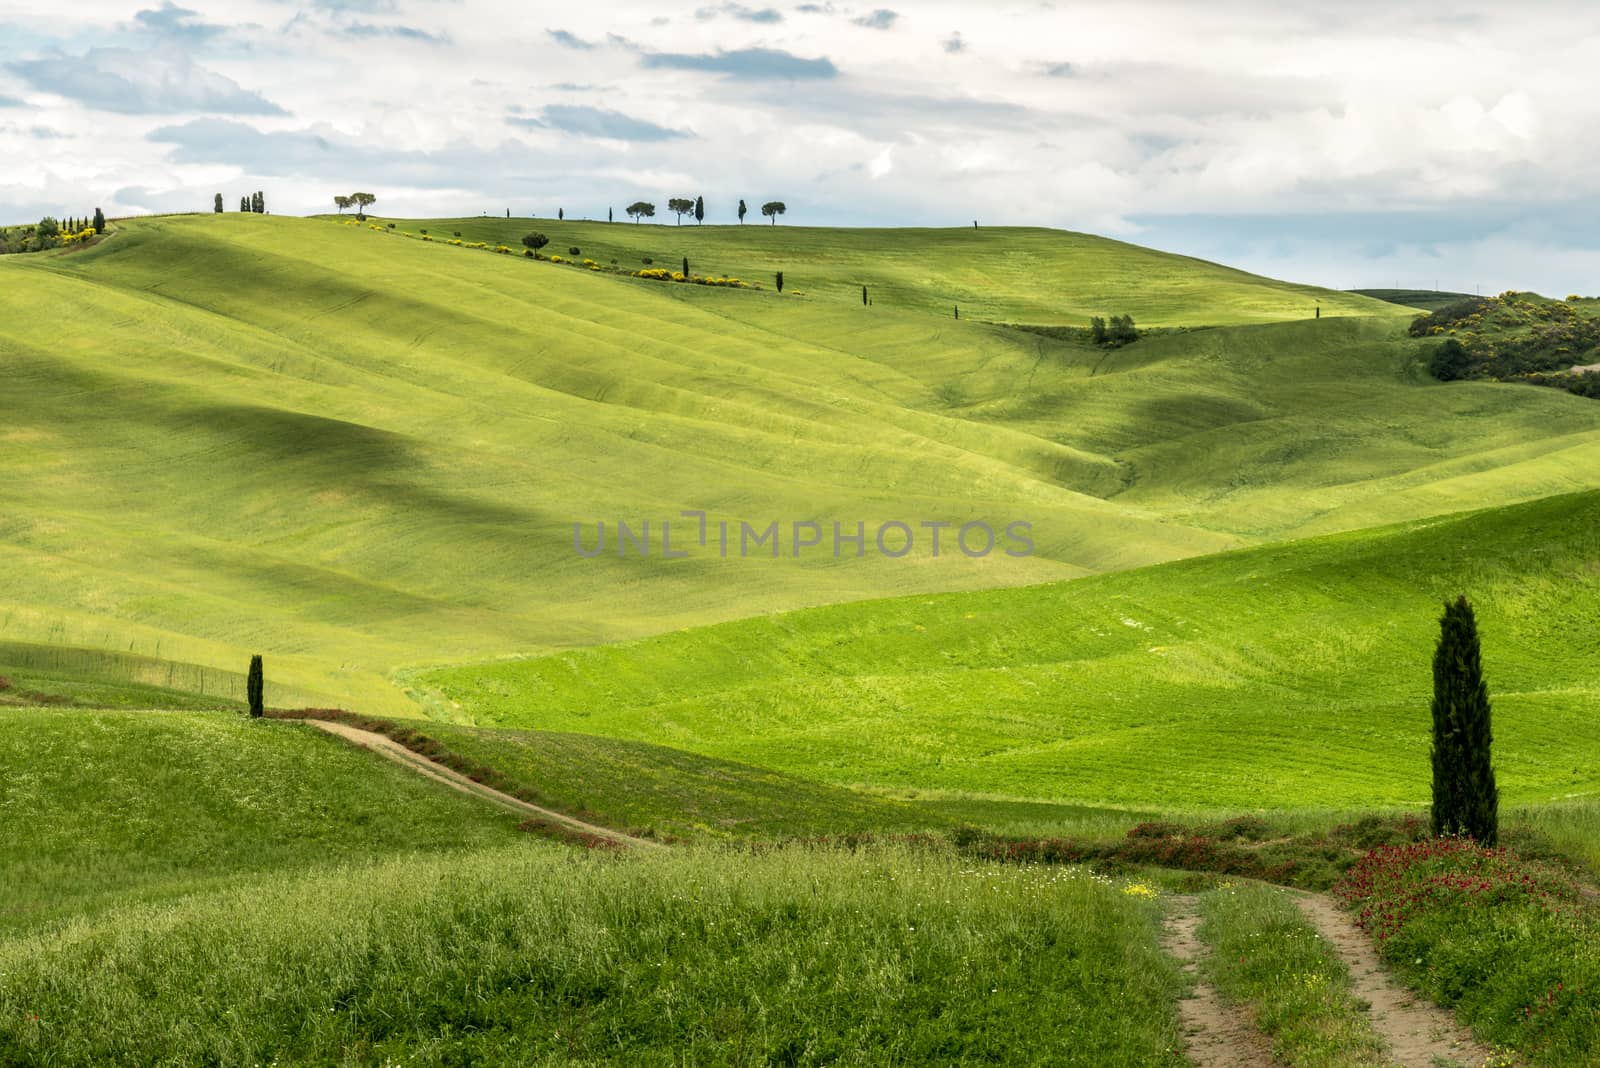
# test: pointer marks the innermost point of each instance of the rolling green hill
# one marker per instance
(108, 808)
(354, 452)
(1419, 299)
(1284, 677)
(1003, 274)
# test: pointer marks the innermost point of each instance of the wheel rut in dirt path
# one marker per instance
(1217, 1035)
(389, 748)
(1419, 1033)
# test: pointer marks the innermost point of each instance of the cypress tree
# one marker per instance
(863, 296)
(1465, 798)
(699, 210)
(686, 266)
(741, 213)
(780, 281)
(100, 216)
(254, 686)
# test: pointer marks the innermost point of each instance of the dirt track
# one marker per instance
(1420, 1034)
(1218, 1035)
(393, 750)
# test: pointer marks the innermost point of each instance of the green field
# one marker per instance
(1283, 677)
(357, 453)
(999, 274)
(362, 454)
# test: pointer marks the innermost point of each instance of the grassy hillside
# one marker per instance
(1291, 676)
(103, 808)
(1002, 274)
(353, 452)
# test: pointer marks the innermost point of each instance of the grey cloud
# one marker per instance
(1060, 70)
(569, 40)
(405, 33)
(158, 82)
(954, 43)
(749, 64)
(596, 122)
(178, 23)
(766, 15)
(881, 19)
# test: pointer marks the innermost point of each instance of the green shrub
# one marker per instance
(1450, 361)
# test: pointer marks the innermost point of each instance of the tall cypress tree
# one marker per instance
(686, 266)
(1465, 798)
(255, 686)
(100, 219)
(780, 281)
(699, 210)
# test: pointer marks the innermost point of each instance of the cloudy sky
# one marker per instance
(1351, 144)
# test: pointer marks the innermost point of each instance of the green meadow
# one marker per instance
(362, 454)
(1001, 274)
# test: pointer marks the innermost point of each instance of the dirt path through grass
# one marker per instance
(393, 750)
(1218, 1036)
(1420, 1034)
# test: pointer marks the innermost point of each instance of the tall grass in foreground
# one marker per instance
(1265, 954)
(536, 956)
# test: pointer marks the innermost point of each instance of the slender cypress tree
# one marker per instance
(1465, 798)
(100, 217)
(255, 686)
(863, 296)
(741, 213)
(780, 281)
(686, 266)
(216, 205)
(699, 210)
